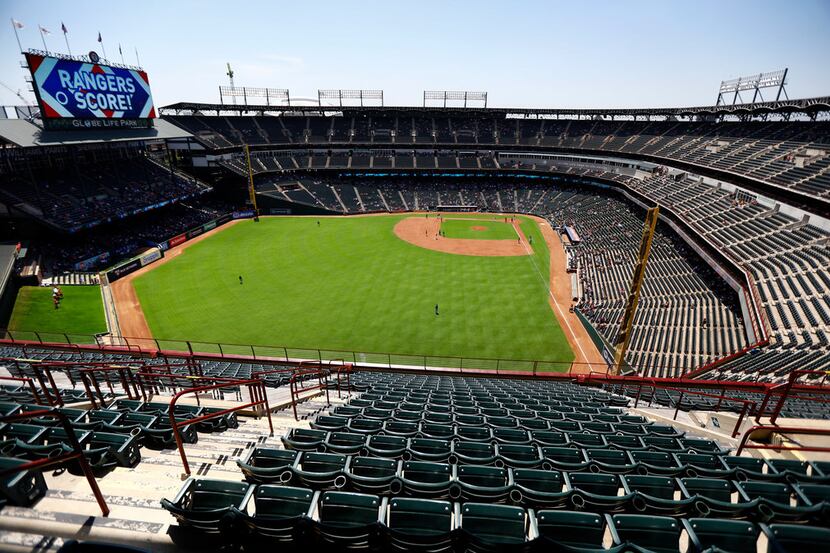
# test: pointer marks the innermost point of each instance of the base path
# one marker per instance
(423, 232)
(130, 315)
(586, 356)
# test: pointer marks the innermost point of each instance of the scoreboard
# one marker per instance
(76, 94)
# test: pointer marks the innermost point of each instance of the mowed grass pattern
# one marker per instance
(351, 284)
(478, 229)
(81, 313)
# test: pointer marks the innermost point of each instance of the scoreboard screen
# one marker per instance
(81, 94)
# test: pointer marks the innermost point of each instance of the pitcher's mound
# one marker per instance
(423, 232)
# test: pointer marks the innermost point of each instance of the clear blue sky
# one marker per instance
(596, 53)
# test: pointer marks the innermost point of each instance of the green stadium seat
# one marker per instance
(350, 520)
(610, 460)
(778, 502)
(566, 426)
(734, 536)
(304, 439)
(657, 495)
(656, 462)
(363, 425)
(515, 455)
(123, 449)
(393, 427)
(426, 449)
(620, 441)
(587, 440)
(494, 525)
(662, 443)
(472, 453)
(664, 430)
(319, 470)
(26, 433)
(480, 483)
(701, 464)
(347, 411)
(23, 488)
(656, 534)
(750, 468)
(329, 423)
(564, 458)
(795, 538)
(549, 438)
(539, 488)
(372, 474)
(596, 492)
(436, 431)
(203, 504)
(381, 445)
(718, 498)
(377, 414)
(581, 532)
(218, 424)
(266, 465)
(424, 479)
(511, 435)
(475, 433)
(419, 524)
(344, 442)
(278, 512)
(701, 445)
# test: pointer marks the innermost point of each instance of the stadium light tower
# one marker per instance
(756, 83)
(230, 78)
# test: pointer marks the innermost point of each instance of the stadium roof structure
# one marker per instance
(25, 134)
(806, 106)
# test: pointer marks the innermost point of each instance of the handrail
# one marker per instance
(26, 380)
(295, 392)
(258, 397)
(77, 453)
(788, 388)
(720, 397)
(785, 430)
(344, 368)
(89, 378)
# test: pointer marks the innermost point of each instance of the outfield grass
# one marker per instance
(351, 284)
(478, 229)
(81, 314)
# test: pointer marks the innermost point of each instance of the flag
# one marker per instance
(99, 37)
(44, 30)
(17, 24)
(63, 28)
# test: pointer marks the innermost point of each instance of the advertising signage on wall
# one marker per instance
(77, 94)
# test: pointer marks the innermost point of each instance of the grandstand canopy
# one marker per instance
(806, 106)
(25, 134)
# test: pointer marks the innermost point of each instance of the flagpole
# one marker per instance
(66, 38)
(122, 53)
(103, 49)
(43, 38)
(137, 61)
(17, 36)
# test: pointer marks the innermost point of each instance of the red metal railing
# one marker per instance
(300, 376)
(786, 388)
(344, 369)
(746, 403)
(89, 378)
(259, 397)
(783, 430)
(28, 381)
(76, 454)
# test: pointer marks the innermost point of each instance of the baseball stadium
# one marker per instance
(256, 320)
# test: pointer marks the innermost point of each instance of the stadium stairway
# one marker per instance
(69, 511)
